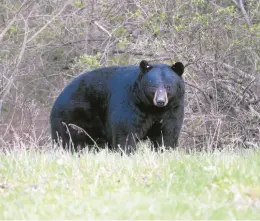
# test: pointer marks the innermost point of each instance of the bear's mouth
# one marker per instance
(160, 98)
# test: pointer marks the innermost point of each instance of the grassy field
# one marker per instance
(175, 185)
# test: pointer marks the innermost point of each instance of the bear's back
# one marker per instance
(97, 85)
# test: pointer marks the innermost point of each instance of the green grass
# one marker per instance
(176, 185)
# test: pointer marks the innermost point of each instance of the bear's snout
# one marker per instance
(160, 98)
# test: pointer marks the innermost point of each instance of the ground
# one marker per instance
(147, 185)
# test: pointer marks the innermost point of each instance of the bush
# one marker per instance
(44, 44)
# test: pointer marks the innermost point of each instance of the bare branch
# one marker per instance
(49, 22)
(14, 19)
(201, 90)
(24, 43)
(240, 6)
(235, 2)
(102, 28)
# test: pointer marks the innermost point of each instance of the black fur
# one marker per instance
(117, 105)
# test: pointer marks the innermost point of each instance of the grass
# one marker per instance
(175, 185)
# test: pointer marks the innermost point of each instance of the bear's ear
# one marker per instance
(144, 66)
(178, 68)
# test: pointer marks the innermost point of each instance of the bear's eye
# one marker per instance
(168, 87)
(151, 84)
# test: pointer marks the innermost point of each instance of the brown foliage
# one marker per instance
(43, 44)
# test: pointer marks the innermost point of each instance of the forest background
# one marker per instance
(44, 44)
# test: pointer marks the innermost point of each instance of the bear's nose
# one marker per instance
(160, 98)
(160, 103)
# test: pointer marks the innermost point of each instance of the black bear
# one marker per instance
(121, 105)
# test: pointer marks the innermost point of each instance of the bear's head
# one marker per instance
(160, 85)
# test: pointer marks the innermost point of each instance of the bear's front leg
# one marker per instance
(123, 141)
(166, 133)
(172, 123)
(166, 138)
(126, 126)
